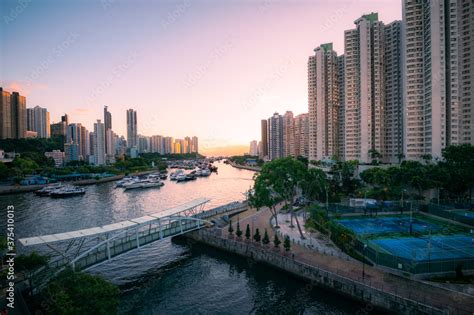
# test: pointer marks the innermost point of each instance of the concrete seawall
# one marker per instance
(16, 189)
(372, 297)
(245, 167)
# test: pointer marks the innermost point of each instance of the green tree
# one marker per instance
(257, 236)
(282, 178)
(239, 231)
(314, 185)
(427, 158)
(459, 163)
(230, 229)
(26, 166)
(247, 232)
(343, 176)
(287, 243)
(4, 173)
(263, 196)
(375, 156)
(81, 293)
(28, 264)
(303, 159)
(400, 157)
(265, 239)
(276, 241)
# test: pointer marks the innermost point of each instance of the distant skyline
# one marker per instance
(201, 68)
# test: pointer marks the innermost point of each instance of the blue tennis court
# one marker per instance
(422, 249)
(381, 225)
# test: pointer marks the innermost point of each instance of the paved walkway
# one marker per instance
(313, 240)
(412, 289)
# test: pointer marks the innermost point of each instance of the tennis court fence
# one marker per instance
(451, 213)
(414, 266)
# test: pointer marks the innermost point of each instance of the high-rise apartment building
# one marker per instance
(187, 145)
(143, 144)
(107, 118)
(342, 108)
(5, 114)
(253, 149)
(465, 65)
(288, 134)
(458, 22)
(312, 106)
(301, 131)
(324, 103)
(425, 57)
(99, 143)
(18, 115)
(438, 75)
(74, 136)
(264, 138)
(109, 147)
(364, 88)
(168, 145)
(65, 119)
(71, 152)
(110, 140)
(58, 129)
(132, 134)
(275, 136)
(195, 144)
(393, 89)
(92, 148)
(38, 121)
(157, 144)
(85, 143)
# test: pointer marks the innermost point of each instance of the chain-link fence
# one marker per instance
(452, 212)
(380, 207)
(422, 260)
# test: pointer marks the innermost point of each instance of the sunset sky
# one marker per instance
(207, 68)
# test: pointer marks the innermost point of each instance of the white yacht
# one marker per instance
(125, 181)
(145, 183)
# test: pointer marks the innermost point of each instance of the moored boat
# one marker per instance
(146, 183)
(46, 191)
(69, 191)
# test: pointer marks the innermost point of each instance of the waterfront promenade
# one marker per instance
(413, 290)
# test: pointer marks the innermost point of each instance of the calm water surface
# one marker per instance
(175, 277)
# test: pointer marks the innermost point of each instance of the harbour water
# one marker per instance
(172, 277)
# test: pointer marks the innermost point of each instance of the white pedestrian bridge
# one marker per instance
(82, 249)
